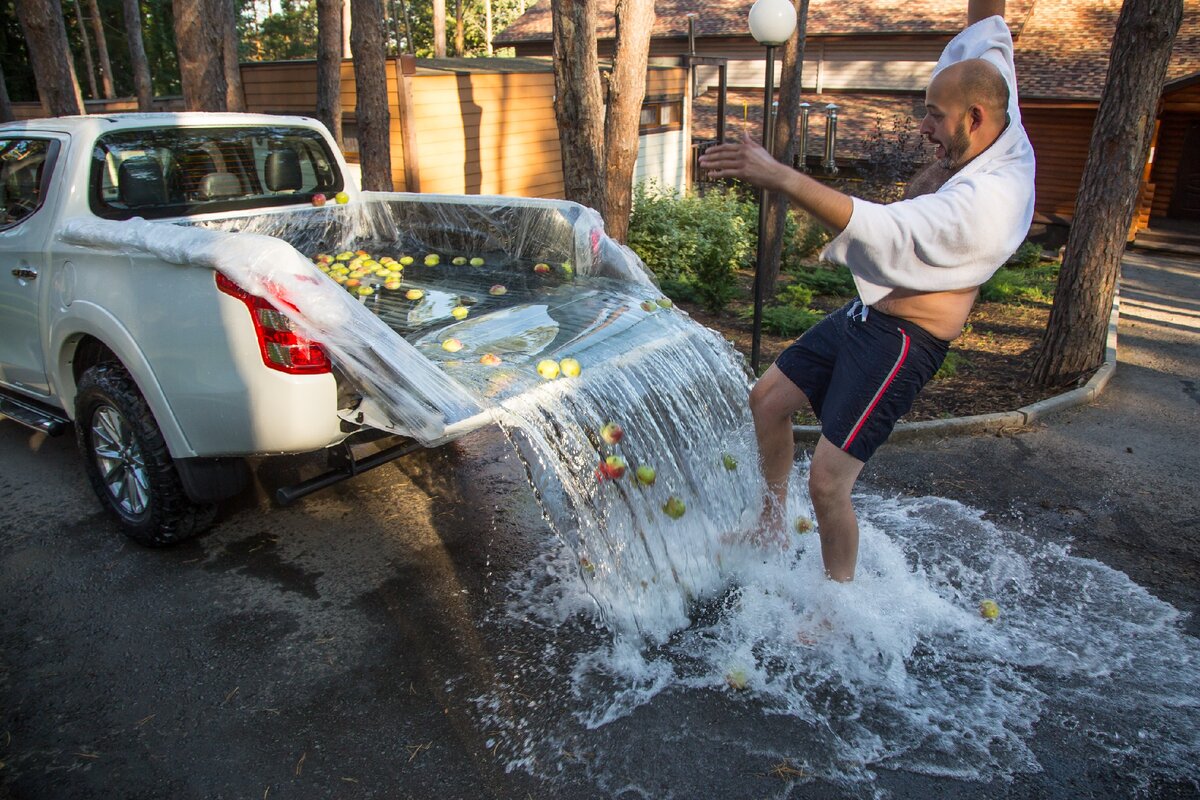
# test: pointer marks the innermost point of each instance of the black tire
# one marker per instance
(128, 464)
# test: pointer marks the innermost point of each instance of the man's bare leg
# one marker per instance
(830, 480)
(773, 401)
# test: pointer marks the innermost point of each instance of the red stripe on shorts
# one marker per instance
(878, 395)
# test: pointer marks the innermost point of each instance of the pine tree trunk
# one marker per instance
(371, 105)
(6, 109)
(200, 43)
(50, 56)
(137, 55)
(329, 66)
(626, 91)
(87, 51)
(784, 148)
(235, 98)
(106, 81)
(439, 28)
(579, 103)
(408, 28)
(460, 33)
(487, 26)
(1073, 344)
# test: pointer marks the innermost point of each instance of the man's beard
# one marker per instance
(956, 148)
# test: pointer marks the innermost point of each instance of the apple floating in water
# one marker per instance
(736, 679)
(587, 566)
(613, 467)
(458, 261)
(646, 475)
(612, 433)
(406, 260)
(665, 302)
(989, 610)
(452, 345)
(649, 306)
(497, 290)
(674, 507)
(477, 262)
(803, 525)
(490, 360)
(414, 294)
(548, 368)
(459, 312)
(432, 260)
(342, 198)
(541, 268)
(570, 368)
(729, 461)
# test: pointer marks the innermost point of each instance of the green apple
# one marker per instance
(568, 269)
(674, 507)
(989, 609)
(344, 256)
(729, 461)
(365, 291)
(452, 345)
(646, 475)
(736, 679)
(665, 302)
(570, 368)
(498, 290)
(548, 368)
(458, 261)
(649, 306)
(477, 262)
(459, 312)
(406, 260)
(432, 260)
(414, 294)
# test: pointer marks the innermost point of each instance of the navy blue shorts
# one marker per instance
(861, 370)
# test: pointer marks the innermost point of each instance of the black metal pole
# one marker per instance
(768, 137)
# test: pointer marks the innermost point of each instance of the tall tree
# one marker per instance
(371, 103)
(626, 91)
(46, 37)
(599, 139)
(487, 26)
(87, 51)
(6, 109)
(1073, 344)
(787, 135)
(579, 100)
(460, 34)
(200, 42)
(137, 55)
(329, 66)
(106, 76)
(439, 28)
(235, 99)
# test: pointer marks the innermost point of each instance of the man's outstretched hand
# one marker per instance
(746, 160)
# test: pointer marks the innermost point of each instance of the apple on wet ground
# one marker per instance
(649, 306)
(452, 345)
(646, 475)
(541, 268)
(989, 610)
(459, 312)
(665, 302)
(406, 260)
(458, 261)
(497, 290)
(674, 507)
(570, 368)
(490, 360)
(414, 294)
(477, 262)
(611, 433)
(729, 461)
(613, 467)
(432, 260)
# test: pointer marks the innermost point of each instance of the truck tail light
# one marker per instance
(282, 348)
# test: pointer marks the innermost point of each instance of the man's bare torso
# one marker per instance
(943, 314)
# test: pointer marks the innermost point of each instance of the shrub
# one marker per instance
(1028, 256)
(1023, 285)
(950, 365)
(803, 236)
(699, 240)
(786, 320)
(796, 294)
(834, 281)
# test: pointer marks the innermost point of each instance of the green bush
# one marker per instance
(699, 240)
(786, 320)
(1028, 256)
(950, 365)
(796, 294)
(835, 281)
(803, 236)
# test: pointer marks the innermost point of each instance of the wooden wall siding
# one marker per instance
(663, 158)
(1060, 139)
(118, 105)
(487, 133)
(1168, 154)
(1183, 101)
(666, 82)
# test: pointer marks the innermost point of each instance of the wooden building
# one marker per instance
(873, 59)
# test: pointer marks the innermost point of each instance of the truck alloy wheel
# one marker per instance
(127, 461)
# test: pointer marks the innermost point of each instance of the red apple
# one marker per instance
(318, 199)
(613, 467)
(611, 432)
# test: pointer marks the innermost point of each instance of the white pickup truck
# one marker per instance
(133, 308)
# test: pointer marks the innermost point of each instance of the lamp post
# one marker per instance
(772, 23)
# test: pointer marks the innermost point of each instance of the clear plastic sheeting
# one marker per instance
(437, 308)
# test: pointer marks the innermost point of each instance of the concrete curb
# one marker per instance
(1003, 420)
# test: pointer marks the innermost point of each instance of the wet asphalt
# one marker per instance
(338, 648)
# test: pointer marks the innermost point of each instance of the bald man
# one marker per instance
(917, 265)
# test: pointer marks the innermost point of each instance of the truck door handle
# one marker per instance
(25, 273)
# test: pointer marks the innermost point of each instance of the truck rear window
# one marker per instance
(172, 172)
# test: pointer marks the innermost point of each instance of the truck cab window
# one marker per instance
(22, 163)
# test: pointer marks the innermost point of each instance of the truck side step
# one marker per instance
(34, 416)
(344, 464)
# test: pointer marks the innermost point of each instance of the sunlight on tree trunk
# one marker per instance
(329, 66)
(1073, 344)
(460, 33)
(626, 91)
(487, 26)
(200, 42)
(106, 81)
(579, 101)
(137, 55)
(50, 55)
(371, 100)
(784, 148)
(87, 51)
(439, 28)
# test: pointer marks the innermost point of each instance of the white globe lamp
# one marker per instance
(772, 21)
